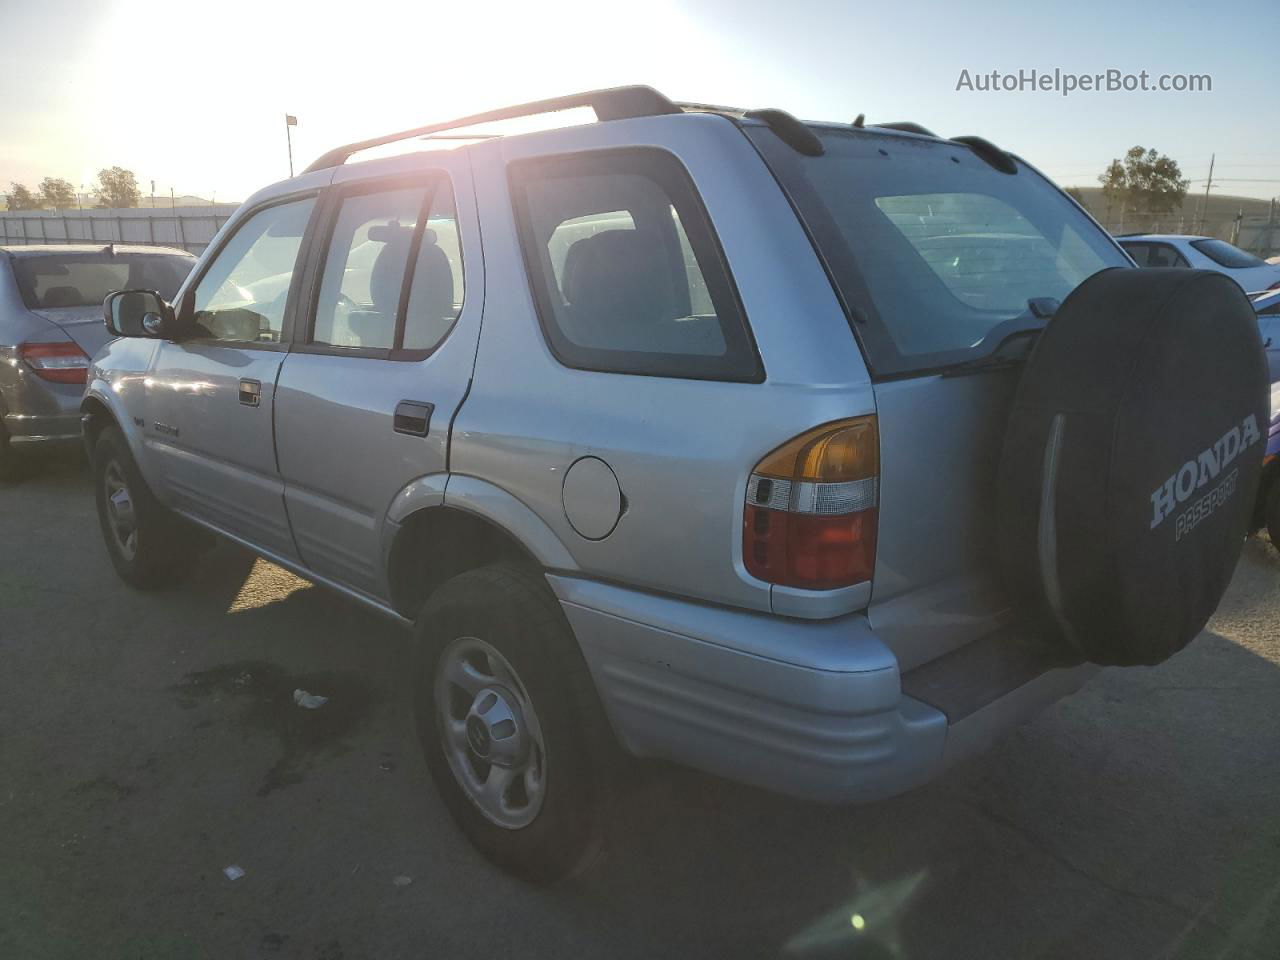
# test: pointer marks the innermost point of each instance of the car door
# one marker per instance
(210, 396)
(382, 358)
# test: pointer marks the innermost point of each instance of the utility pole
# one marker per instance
(290, 121)
(1271, 226)
(1204, 203)
(153, 193)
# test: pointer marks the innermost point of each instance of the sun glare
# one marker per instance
(397, 65)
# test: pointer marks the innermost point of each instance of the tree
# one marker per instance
(1145, 183)
(117, 188)
(58, 194)
(20, 198)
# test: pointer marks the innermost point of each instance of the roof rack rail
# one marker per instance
(789, 130)
(906, 126)
(614, 103)
(989, 152)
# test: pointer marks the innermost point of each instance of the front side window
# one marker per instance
(930, 247)
(625, 270)
(51, 281)
(242, 296)
(1225, 255)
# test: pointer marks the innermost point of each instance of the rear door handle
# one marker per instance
(413, 417)
(251, 392)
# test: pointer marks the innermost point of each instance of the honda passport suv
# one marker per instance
(703, 433)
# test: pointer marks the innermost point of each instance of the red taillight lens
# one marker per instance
(812, 509)
(62, 362)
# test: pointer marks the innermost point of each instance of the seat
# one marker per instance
(64, 296)
(618, 286)
(431, 299)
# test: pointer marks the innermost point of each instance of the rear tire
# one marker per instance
(509, 722)
(149, 545)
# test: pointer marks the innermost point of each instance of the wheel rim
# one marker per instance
(121, 518)
(490, 733)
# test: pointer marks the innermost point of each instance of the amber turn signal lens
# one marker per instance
(835, 453)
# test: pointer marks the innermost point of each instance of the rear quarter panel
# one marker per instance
(682, 450)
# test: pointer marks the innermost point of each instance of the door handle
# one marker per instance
(251, 392)
(413, 417)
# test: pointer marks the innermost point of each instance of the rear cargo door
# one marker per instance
(940, 252)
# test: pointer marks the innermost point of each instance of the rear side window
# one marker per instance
(625, 270)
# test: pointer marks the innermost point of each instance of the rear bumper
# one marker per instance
(814, 709)
(35, 430)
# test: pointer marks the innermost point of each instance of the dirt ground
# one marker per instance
(147, 742)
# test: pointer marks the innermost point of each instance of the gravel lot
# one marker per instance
(148, 742)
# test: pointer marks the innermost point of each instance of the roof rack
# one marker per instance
(614, 103)
(906, 126)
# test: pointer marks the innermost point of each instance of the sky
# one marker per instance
(193, 95)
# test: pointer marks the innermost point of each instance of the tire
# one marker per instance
(162, 547)
(540, 723)
(1129, 475)
(1273, 512)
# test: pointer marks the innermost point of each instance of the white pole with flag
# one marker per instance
(290, 121)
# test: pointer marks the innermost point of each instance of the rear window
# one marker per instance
(85, 279)
(1224, 254)
(929, 246)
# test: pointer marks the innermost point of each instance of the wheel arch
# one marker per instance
(97, 416)
(435, 543)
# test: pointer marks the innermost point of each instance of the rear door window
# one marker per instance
(625, 269)
(392, 280)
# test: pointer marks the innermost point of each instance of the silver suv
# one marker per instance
(678, 431)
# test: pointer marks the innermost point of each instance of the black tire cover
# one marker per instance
(1131, 464)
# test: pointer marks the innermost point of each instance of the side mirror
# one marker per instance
(138, 313)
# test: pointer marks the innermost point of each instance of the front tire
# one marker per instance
(509, 722)
(149, 546)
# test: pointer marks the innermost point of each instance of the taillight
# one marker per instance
(811, 511)
(62, 362)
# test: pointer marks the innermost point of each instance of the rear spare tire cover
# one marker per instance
(1131, 463)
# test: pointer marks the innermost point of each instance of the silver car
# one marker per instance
(51, 324)
(676, 432)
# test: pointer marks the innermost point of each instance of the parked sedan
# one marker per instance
(1268, 307)
(1203, 253)
(51, 324)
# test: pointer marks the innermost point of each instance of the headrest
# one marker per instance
(390, 232)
